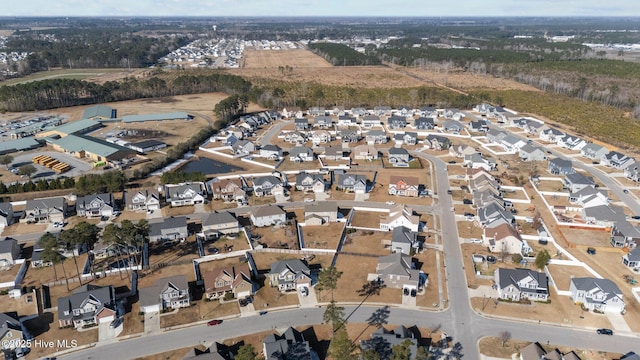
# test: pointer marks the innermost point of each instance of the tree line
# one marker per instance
(342, 55)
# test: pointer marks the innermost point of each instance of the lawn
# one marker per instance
(492, 346)
(325, 236)
(562, 274)
(597, 238)
(38, 276)
(431, 295)
(367, 219)
(201, 310)
(45, 328)
(268, 297)
(277, 237)
(367, 242)
(355, 270)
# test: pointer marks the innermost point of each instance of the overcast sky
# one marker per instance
(321, 8)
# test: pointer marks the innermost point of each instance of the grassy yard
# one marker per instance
(324, 236)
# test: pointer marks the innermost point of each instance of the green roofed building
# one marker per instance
(99, 112)
(22, 144)
(156, 117)
(72, 128)
(92, 148)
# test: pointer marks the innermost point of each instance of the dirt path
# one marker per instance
(420, 78)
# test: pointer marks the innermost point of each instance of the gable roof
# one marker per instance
(294, 265)
(513, 276)
(151, 295)
(604, 285)
(105, 295)
(222, 217)
(157, 225)
(270, 210)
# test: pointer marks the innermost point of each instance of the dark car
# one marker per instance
(406, 291)
(214, 322)
(626, 191)
(491, 259)
(467, 202)
(243, 302)
(413, 293)
(449, 192)
(452, 162)
(636, 217)
(591, 251)
(605, 332)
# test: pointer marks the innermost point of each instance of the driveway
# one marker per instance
(106, 332)
(361, 197)
(151, 323)
(617, 321)
(247, 310)
(408, 300)
(322, 196)
(281, 198)
(309, 300)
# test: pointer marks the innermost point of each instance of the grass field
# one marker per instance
(93, 75)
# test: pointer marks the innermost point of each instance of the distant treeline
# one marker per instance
(342, 55)
(55, 93)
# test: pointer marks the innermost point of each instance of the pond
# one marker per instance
(208, 166)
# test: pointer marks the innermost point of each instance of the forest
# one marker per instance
(342, 55)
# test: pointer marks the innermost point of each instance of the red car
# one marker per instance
(214, 322)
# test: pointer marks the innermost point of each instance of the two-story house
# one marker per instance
(49, 210)
(437, 142)
(352, 183)
(6, 214)
(560, 166)
(321, 212)
(268, 216)
(301, 124)
(403, 240)
(167, 293)
(301, 154)
(396, 122)
(597, 294)
(323, 122)
(219, 223)
(142, 200)
(593, 151)
(400, 215)
(228, 190)
(423, 123)
(365, 152)
(185, 194)
(616, 160)
(266, 185)
(399, 157)
(168, 229)
(230, 279)
(243, 148)
(310, 182)
(370, 121)
(270, 152)
(89, 305)
(517, 284)
(374, 137)
(404, 186)
(289, 274)
(97, 205)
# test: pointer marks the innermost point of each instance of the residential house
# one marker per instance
(216, 351)
(290, 112)
(320, 137)
(517, 284)
(268, 216)
(295, 137)
(597, 294)
(630, 356)
(289, 274)
(462, 150)
(340, 111)
(9, 251)
(365, 152)
(589, 197)
(352, 183)
(520, 123)
(382, 339)
(168, 229)
(534, 127)
(369, 121)
(228, 190)
(428, 111)
(403, 240)
(477, 161)
(266, 185)
(512, 143)
(477, 126)
(270, 152)
(301, 154)
(88, 305)
(571, 142)
(374, 137)
(399, 157)
(408, 138)
(576, 181)
(452, 126)
(167, 293)
(404, 186)
(243, 148)
(617, 160)
(349, 135)
(13, 335)
(290, 345)
(496, 135)
(453, 114)
(230, 279)
(623, 234)
(631, 172)
(346, 120)
(382, 110)
(336, 153)
(530, 152)
(484, 108)
(310, 182)
(96, 205)
(632, 259)
(602, 215)
(502, 237)
(185, 194)
(550, 134)
(218, 224)
(396, 122)
(423, 123)
(560, 166)
(593, 151)
(317, 111)
(400, 215)
(142, 200)
(6, 214)
(321, 212)
(49, 210)
(301, 124)
(396, 271)
(323, 122)
(493, 211)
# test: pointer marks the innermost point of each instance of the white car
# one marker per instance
(390, 203)
(304, 291)
(308, 200)
(475, 241)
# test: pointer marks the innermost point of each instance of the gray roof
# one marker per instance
(529, 148)
(222, 217)
(322, 206)
(592, 148)
(157, 226)
(395, 264)
(259, 181)
(18, 144)
(9, 321)
(512, 276)
(80, 126)
(588, 283)
(560, 163)
(179, 115)
(634, 255)
(105, 295)
(289, 345)
(376, 133)
(398, 151)
(604, 213)
(382, 341)
(84, 201)
(300, 150)
(151, 295)
(98, 110)
(294, 265)
(270, 147)
(630, 356)
(402, 234)
(5, 209)
(533, 351)
(270, 210)
(48, 203)
(7, 245)
(578, 178)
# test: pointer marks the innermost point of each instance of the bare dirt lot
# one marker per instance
(492, 346)
(256, 59)
(563, 274)
(324, 236)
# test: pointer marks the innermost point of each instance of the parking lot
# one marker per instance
(78, 166)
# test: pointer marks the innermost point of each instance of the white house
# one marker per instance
(597, 294)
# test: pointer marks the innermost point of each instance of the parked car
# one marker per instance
(591, 251)
(214, 322)
(262, 313)
(390, 203)
(467, 202)
(449, 192)
(605, 332)
(626, 191)
(308, 200)
(491, 259)
(636, 217)
(475, 241)
(406, 291)
(413, 293)
(304, 291)
(452, 162)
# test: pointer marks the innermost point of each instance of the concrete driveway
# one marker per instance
(408, 300)
(361, 197)
(309, 300)
(151, 322)
(617, 321)
(247, 310)
(106, 332)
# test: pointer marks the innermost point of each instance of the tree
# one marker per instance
(542, 259)
(112, 235)
(246, 352)
(401, 351)
(27, 170)
(6, 160)
(328, 279)
(87, 236)
(422, 353)
(341, 347)
(51, 253)
(334, 314)
(69, 240)
(370, 354)
(504, 337)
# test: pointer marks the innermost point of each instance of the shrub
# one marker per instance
(517, 258)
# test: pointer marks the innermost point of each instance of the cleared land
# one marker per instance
(492, 346)
(257, 59)
(92, 75)
(324, 236)
(563, 274)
